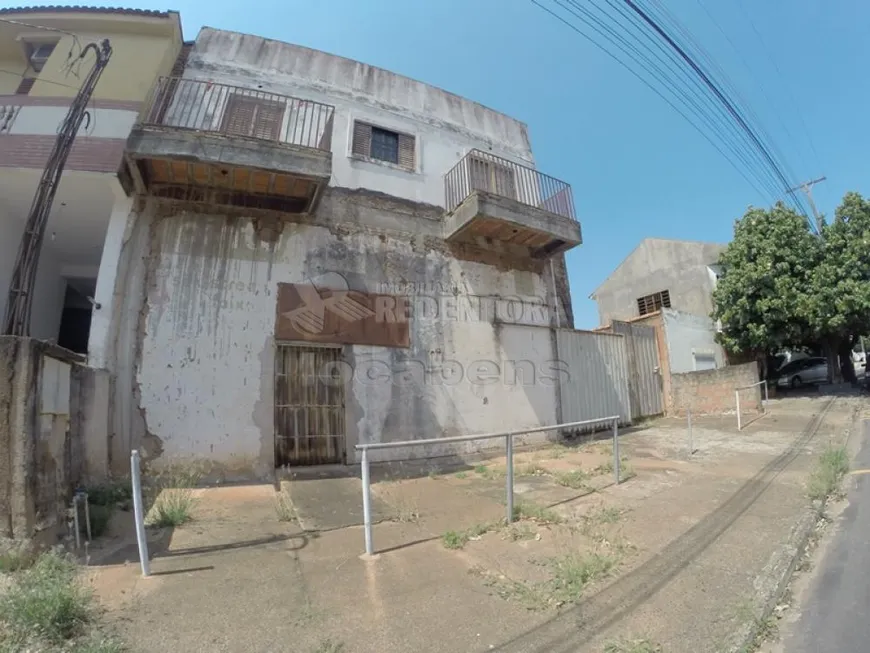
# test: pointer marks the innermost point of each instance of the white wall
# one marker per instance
(446, 126)
(690, 336)
(50, 286)
(104, 123)
(207, 362)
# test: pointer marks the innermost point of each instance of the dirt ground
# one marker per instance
(668, 553)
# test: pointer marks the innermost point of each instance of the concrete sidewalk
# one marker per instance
(687, 537)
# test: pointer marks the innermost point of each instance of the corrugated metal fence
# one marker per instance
(597, 384)
(644, 377)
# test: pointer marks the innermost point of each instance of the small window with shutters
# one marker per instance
(253, 116)
(381, 144)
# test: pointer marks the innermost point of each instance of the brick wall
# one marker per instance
(89, 154)
(712, 391)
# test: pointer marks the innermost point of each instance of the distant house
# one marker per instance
(660, 273)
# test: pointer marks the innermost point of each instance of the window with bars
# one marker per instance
(253, 116)
(654, 302)
(384, 145)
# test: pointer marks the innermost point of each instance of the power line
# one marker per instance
(599, 27)
(691, 84)
(46, 81)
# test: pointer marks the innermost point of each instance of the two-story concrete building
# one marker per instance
(321, 253)
(660, 273)
(40, 73)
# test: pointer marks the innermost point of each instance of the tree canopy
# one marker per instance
(784, 286)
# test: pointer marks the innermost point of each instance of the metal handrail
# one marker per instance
(203, 106)
(737, 399)
(509, 454)
(486, 172)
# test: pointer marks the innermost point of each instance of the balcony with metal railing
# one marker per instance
(489, 198)
(216, 143)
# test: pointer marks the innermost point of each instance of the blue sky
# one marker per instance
(637, 168)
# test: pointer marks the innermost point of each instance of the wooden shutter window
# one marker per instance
(362, 139)
(406, 152)
(25, 86)
(267, 119)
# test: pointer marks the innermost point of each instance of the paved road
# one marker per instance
(835, 615)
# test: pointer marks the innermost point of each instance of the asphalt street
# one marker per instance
(835, 615)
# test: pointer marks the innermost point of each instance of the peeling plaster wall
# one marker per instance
(445, 125)
(202, 380)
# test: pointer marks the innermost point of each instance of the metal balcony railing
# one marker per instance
(488, 173)
(235, 111)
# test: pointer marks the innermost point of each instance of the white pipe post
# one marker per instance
(737, 399)
(367, 502)
(766, 397)
(616, 450)
(509, 454)
(138, 514)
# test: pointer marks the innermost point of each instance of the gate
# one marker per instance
(309, 406)
(597, 382)
(645, 377)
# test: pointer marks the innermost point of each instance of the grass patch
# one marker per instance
(172, 508)
(407, 512)
(825, 479)
(536, 513)
(110, 493)
(488, 472)
(46, 601)
(14, 555)
(632, 645)
(458, 539)
(533, 469)
(172, 491)
(521, 531)
(573, 572)
(461, 475)
(575, 479)
(569, 576)
(100, 515)
(284, 507)
(330, 647)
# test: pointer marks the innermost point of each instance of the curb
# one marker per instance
(772, 583)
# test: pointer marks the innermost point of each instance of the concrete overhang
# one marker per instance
(167, 157)
(484, 216)
(171, 143)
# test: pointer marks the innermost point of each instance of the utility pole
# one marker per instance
(807, 188)
(17, 322)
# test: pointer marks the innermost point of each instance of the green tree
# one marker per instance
(839, 306)
(761, 299)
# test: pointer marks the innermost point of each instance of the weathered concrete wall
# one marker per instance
(712, 391)
(445, 126)
(39, 460)
(679, 267)
(195, 354)
(691, 341)
(90, 391)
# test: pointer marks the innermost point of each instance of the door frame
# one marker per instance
(346, 455)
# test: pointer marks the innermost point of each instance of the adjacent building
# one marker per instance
(40, 72)
(315, 253)
(660, 273)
